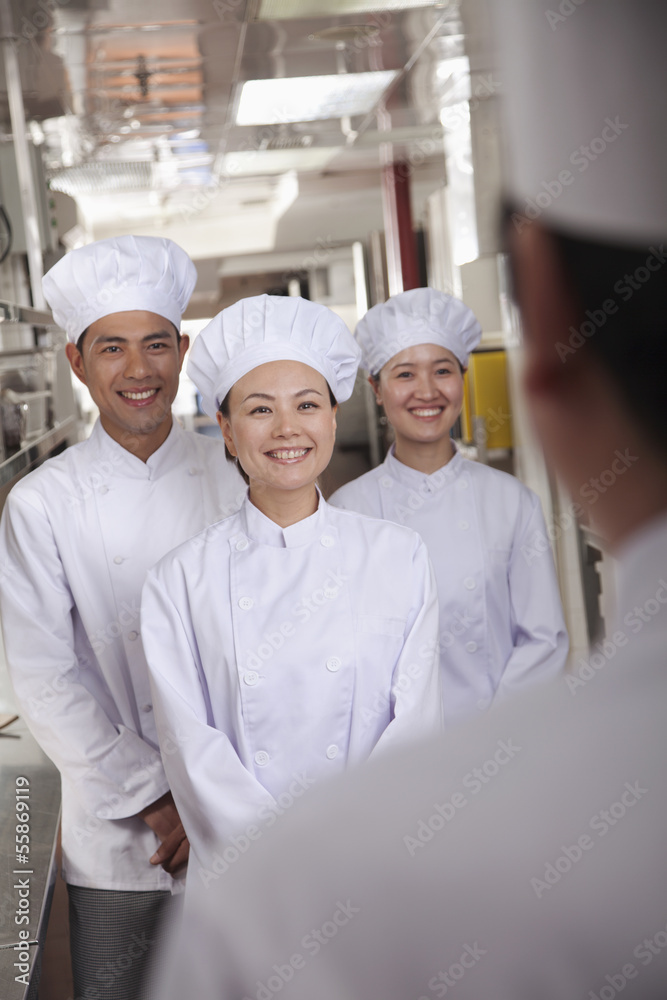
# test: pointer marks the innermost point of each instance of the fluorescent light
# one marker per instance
(277, 161)
(275, 10)
(309, 98)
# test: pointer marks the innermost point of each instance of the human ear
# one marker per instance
(548, 309)
(75, 359)
(226, 429)
(183, 345)
(375, 386)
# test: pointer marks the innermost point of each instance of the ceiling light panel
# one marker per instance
(277, 161)
(277, 10)
(311, 98)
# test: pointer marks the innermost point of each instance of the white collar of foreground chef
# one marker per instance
(261, 528)
(170, 453)
(413, 479)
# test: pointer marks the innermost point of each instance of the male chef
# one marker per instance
(77, 538)
(521, 856)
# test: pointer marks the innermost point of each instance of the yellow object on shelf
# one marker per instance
(486, 396)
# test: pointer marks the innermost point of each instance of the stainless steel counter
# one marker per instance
(29, 788)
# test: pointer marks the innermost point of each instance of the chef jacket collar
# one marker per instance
(171, 453)
(641, 573)
(262, 529)
(412, 479)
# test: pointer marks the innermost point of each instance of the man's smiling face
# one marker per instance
(130, 362)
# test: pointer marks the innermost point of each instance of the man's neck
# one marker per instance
(141, 445)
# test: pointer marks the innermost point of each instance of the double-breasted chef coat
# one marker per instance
(501, 620)
(77, 538)
(279, 657)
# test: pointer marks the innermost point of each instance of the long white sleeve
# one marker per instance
(116, 771)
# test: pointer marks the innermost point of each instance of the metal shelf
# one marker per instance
(35, 451)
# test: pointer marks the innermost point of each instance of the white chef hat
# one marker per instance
(272, 328)
(118, 275)
(420, 316)
(584, 103)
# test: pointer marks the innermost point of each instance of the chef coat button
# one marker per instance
(193, 471)
(251, 678)
(469, 583)
(241, 544)
(132, 636)
(471, 647)
(332, 751)
(146, 708)
(261, 758)
(386, 482)
(463, 484)
(334, 663)
(327, 541)
(118, 560)
(104, 489)
(331, 592)
(463, 525)
(245, 603)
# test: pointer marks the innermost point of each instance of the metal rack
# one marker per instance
(38, 414)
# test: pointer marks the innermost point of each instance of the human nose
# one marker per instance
(285, 423)
(425, 387)
(137, 365)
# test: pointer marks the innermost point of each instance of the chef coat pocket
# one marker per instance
(379, 625)
(379, 642)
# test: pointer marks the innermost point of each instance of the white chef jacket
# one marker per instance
(501, 620)
(521, 855)
(76, 540)
(280, 656)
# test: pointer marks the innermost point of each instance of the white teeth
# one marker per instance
(428, 413)
(292, 453)
(139, 395)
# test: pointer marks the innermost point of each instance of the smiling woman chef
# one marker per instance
(287, 641)
(501, 622)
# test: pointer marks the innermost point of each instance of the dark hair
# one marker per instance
(224, 410)
(79, 343)
(621, 293)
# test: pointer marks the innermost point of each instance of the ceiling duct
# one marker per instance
(276, 10)
(121, 176)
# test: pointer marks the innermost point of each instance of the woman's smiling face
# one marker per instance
(280, 425)
(421, 389)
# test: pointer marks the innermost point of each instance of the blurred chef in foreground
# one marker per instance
(523, 855)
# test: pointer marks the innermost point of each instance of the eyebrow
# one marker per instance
(109, 339)
(265, 395)
(411, 364)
